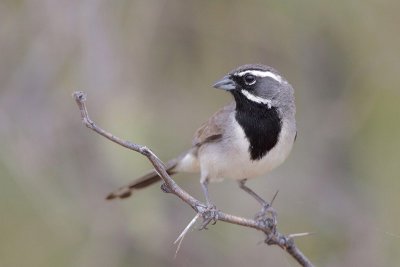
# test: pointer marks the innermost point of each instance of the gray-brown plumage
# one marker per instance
(210, 131)
(213, 129)
(142, 182)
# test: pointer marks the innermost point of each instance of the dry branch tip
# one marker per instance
(80, 96)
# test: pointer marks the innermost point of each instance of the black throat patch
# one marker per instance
(262, 125)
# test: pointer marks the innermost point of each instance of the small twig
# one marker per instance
(390, 234)
(301, 234)
(273, 237)
(273, 198)
(184, 232)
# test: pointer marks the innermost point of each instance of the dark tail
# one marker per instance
(142, 182)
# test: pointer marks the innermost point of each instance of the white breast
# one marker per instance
(231, 159)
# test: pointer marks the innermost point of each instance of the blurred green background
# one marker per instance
(147, 67)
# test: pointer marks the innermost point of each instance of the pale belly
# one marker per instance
(232, 160)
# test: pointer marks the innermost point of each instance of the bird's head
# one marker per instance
(257, 83)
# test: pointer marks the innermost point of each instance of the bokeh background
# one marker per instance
(147, 67)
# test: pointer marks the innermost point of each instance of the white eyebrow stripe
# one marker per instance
(261, 73)
(256, 99)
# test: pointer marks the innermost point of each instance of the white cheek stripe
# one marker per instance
(256, 99)
(261, 73)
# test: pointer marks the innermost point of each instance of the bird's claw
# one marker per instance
(267, 216)
(210, 215)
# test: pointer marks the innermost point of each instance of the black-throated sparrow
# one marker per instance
(245, 139)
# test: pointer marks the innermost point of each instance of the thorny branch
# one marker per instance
(273, 237)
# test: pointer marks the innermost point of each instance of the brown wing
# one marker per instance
(213, 129)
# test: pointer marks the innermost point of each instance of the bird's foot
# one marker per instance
(209, 214)
(267, 216)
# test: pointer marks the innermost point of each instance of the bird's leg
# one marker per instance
(243, 186)
(266, 207)
(210, 214)
(204, 186)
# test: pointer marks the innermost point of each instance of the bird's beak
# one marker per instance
(225, 83)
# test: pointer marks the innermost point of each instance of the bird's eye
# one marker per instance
(249, 79)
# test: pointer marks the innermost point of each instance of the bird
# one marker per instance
(247, 138)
